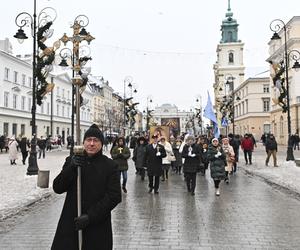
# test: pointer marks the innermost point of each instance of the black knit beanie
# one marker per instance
(94, 131)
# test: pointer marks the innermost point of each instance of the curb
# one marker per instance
(286, 189)
(16, 211)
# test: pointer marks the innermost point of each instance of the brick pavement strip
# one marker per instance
(248, 215)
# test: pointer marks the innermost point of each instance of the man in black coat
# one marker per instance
(271, 149)
(101, 192)
(153, 162)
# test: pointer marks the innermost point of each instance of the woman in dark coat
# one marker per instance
(101, 192)
(139, 156)
(120, 153)
(191, 154)
(217, 159)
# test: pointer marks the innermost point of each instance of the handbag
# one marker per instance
(171, 157)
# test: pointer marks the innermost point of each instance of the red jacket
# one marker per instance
(247, 144)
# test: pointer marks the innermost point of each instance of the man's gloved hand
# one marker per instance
(158, 153)
(78, 160)
(193, 155)
(218, 154)
(81, 222)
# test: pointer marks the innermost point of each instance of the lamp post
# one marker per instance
(230, 82)
(276, 25)
(128, 79)
(199, 113)
(41, 23)
(79, 78)
(148, 113)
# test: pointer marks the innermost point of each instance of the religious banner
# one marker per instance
(159, 131)
(173, 124)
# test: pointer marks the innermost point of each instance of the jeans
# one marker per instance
(248, 156)
(123, 173)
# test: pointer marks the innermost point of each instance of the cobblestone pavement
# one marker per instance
(249, 214)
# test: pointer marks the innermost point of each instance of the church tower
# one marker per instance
(229, 64)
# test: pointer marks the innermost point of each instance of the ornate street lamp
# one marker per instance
(199, 113)
(79, 58)
(41, 65)
(276, 26)
(230, 82)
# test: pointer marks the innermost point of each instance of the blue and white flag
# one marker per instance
(210, 114)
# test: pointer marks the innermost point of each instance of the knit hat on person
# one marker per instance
(215, 139)
(94, 131)
(190, 137)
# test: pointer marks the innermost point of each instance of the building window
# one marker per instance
(266, 105)
(5, 128)
(281, 126)
(42, 108)
(14, 129)
(30, 82)
(23, 79)
(6, 96)
(63, 93)
(230, 57)
(57, 91)
(15, 98)
(266, 88)
(23, 102)
(29, 103)
(48, 108)
(22, 129)
(63, 111)
(246, 101)
(298, 99)
(15, 77)
(57, 130)
(6, 74)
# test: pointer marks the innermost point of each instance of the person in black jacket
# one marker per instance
(153, 162)
(271, 149)
(24, 146)
(191, 154)
(101, 192)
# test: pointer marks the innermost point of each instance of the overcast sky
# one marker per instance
(168, 47)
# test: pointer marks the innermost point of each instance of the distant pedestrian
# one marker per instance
(191, 154)
(13, 150)
(120, 154)
(139, 156)
(48, 144)
(24, 146)
(42, 147)
(247, 146)
(101, 193)
(296, 141)
(271, 149)
(235, 142)
(153, 162)
(217, 159)
(178, 163)
(166, 161)
(230, 157)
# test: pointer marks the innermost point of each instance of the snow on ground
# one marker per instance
(286, 175)
(18, 190)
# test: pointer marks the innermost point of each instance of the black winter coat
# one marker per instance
(139, 156)
(191, 164)
(153, 163)
(271, 144)
(217, 165)
(101, 192)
